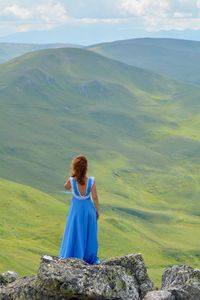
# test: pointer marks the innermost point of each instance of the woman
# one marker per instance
(80, 235)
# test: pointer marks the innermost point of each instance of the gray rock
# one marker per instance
(116, 278)
(94, 86)
(21, 289)
(183, 282)
(134, 265)
(8, 277)
(159, 295)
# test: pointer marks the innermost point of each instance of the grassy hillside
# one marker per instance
(29, 224)
(140, 132)
(32, 224)
(66, 101)
(12, 50)
(172, 57)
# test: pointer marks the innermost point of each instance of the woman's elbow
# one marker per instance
(67, 186)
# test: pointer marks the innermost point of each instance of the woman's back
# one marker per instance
(81, 191)
(82, 188)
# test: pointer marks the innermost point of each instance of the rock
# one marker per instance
(135, 266)
(116, 278)
(8, 277)
(21, 289)
(159, 295)
(94, 86)
(183, 282)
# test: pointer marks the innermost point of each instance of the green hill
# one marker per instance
(140, 132)
(172, 57)
(12, 50)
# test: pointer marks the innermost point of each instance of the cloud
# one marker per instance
(98, 21)
(177, 14)
(149, 15)
(44, 15)
(51, 12)
(178, 24)
(198, 4)
(15, 11)
(144, 7)
(154, 15)
(185, 1)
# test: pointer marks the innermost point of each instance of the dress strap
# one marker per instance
(90, 184)
(75, 187)
(71, 178)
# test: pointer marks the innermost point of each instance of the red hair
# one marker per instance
(79, 168)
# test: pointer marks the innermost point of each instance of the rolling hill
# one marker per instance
(172, 57)
(9, 51)
(140, 132)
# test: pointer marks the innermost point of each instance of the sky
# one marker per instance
(90, 21)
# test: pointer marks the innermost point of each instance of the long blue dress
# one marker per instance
(80, 239)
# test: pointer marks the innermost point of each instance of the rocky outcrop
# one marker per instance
(8, 277)
(178, 283)
(116, 278)
(183, 282)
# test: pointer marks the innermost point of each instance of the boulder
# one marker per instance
(135, 266)
(8, 277)
(183, 282)
(116, 278)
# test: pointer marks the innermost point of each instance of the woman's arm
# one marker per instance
(67, 184)
(95, 198)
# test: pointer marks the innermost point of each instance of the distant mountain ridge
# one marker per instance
(174, 58)
(171, 57)
(10, 50)
(85, 34)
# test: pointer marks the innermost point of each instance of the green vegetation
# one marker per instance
(30, 226)
(172, 57)
(140, 132)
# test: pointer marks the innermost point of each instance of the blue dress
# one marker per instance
(80, 236)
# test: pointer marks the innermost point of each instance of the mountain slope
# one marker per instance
(139, 130)
(71, 98)
(30, 226)
(12, 50)
(171, 57)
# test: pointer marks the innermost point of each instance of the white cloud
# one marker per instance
(178, 24)
(184, 1)
(155, 15)
(42, 15)
(31, 16)
(98, 21)
(15, 11)
(198, 4)
(144, 7)
(45, 12)
(178, 14)
(151, 15)
(51, 12)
